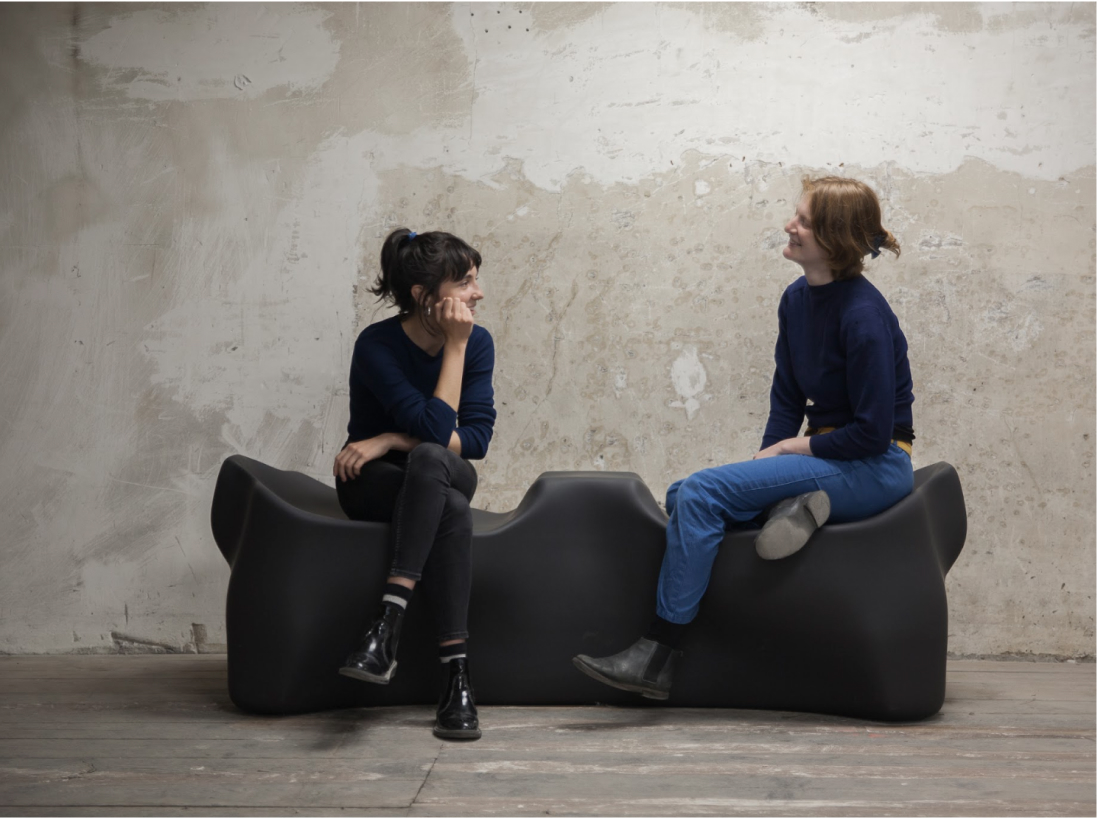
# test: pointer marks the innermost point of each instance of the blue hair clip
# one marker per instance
(412, 235)
(877, 242)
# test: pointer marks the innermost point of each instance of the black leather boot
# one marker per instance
(645, 667)
(790, 524)
(374, 660)
(457, 716)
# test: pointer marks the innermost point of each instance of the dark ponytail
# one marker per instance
(426, 259)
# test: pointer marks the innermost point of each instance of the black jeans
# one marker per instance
(425, 495)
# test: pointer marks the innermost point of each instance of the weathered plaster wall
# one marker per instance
(192, 198)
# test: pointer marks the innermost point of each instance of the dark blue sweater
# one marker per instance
(392, 384)
(840, 347)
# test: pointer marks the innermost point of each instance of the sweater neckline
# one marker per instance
(819, 292)
(416, 349)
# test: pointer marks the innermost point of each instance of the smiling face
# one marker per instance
(466, 290)
(802, 246)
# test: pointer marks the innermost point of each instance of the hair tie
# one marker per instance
(877, 242)
(412, 235)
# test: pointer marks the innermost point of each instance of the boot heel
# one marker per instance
(365, 676)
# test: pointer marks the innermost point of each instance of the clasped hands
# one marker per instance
(349, 462)
(790, 445)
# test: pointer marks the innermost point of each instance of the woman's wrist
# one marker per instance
(399, 441)
(796, 445)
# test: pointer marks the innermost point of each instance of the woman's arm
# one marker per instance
(786, 400)
(432, 420)
(456, 321)
(377, 369)
(349, 462)
(870, 384)
(791, 445)
(476, 412)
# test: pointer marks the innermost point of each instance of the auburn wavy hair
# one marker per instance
(846, 222)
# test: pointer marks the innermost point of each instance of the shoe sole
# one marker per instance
(785, 536)
(363, 676)
(463, 735)
(646, 692)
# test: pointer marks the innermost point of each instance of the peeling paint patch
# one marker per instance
(214, 51)
(688, 376)
(611, 87)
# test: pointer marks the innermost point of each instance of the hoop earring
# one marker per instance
(428, 311)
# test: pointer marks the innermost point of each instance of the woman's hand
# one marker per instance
(456, 320)
(349, 462)
(791, 445)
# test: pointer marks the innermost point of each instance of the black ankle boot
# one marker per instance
(457, 711)
(646, 667)
(374, 660)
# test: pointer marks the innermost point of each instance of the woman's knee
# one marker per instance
(702, 497)
(427, 457)
(672, 495)
(692, 491)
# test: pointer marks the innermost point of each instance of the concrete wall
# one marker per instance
(192, 200)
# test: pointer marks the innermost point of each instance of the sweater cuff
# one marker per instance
(821, 447)
(470, 446)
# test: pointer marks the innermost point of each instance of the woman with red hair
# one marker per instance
(841, 360)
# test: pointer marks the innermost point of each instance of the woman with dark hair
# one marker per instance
(841, 359)
(421, 407)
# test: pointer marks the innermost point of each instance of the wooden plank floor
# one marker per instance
(157, 735)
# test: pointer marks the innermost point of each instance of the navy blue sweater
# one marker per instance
(392, 384)
(840, 347)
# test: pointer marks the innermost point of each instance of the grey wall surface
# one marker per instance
(192, 199)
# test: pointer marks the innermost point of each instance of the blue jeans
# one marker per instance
(704, 505)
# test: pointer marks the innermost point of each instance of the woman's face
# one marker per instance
(466, 290)
(802, 247)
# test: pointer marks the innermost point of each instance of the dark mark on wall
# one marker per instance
(135, 644)
(75, 32)
(126, 644)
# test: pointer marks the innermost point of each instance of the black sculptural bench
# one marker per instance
(856, 624)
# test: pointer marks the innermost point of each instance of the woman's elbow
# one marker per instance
(877, 446)
(430, 433)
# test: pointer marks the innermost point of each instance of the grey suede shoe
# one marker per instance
(646, 668)
(791, 523)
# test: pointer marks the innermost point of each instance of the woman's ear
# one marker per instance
(417, 293)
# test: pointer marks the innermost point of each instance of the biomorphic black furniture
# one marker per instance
(856, 624)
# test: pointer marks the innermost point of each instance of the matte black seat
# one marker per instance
(856, 624)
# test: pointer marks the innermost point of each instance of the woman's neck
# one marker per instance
(420, 336)
(818, 275)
